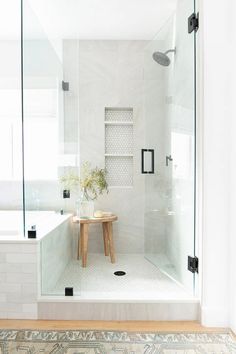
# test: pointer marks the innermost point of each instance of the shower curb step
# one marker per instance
(119, 311)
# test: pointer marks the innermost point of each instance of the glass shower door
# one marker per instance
(11, 204)
(48, 154)
(169, 104)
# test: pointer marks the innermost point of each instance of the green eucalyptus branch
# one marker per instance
(91, 180)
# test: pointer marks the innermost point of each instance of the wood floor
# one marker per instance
(136, 326)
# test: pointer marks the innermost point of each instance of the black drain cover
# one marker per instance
(119, 273)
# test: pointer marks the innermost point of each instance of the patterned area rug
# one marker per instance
(111, 342)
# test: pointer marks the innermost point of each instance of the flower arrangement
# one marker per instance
(92, 181)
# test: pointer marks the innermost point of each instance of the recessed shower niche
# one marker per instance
(119, 132)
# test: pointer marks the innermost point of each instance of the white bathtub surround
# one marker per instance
(56, 251)
(20, 266)
(11, 223)
(18, 279)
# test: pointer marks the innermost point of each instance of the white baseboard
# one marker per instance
(233, 326)
(214, 317)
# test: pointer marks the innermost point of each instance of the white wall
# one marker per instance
(233, 172)
(232, 243)
(218, 298)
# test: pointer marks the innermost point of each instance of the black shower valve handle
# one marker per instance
(168, 159)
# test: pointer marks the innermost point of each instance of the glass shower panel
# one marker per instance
(11, 201)
(169, 103)
(48, 152)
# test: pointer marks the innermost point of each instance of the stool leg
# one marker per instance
(111, 245)
(80, 247)
(85, 245)
(79, 253)
(105, 238)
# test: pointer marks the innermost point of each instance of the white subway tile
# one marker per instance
(21, 258)
(10, 288)
(29, 268)
(22, 316)
(3, 267)
(3, 298)
(14, 316)
(10, 247)
(18, 248)
(2, 256)
(16, 268)
(3, 315)
(2, 278)
(31, 308)
(31, 316)
(3, 306)
(29, 288)
(13, 268)
(29, 248)
(13, 307)
(21, 298)
(21, 278)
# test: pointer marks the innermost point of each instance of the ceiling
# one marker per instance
(88, 19)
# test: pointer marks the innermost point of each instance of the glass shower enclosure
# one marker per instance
(50, 149)
(128, 106)
(169, 222)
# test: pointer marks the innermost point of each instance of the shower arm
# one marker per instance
(171, 51)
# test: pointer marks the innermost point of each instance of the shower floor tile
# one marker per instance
(142, 281)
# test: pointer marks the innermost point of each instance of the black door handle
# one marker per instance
(143, 151)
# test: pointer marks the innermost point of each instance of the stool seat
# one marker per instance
(107, 236)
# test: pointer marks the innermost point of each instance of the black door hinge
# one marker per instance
(69, 291)
(66, 193)
(65, 86)
(193, 264)
(193, 23)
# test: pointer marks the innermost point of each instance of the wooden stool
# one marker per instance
(107, 236)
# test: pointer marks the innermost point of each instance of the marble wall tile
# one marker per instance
(111, 75)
